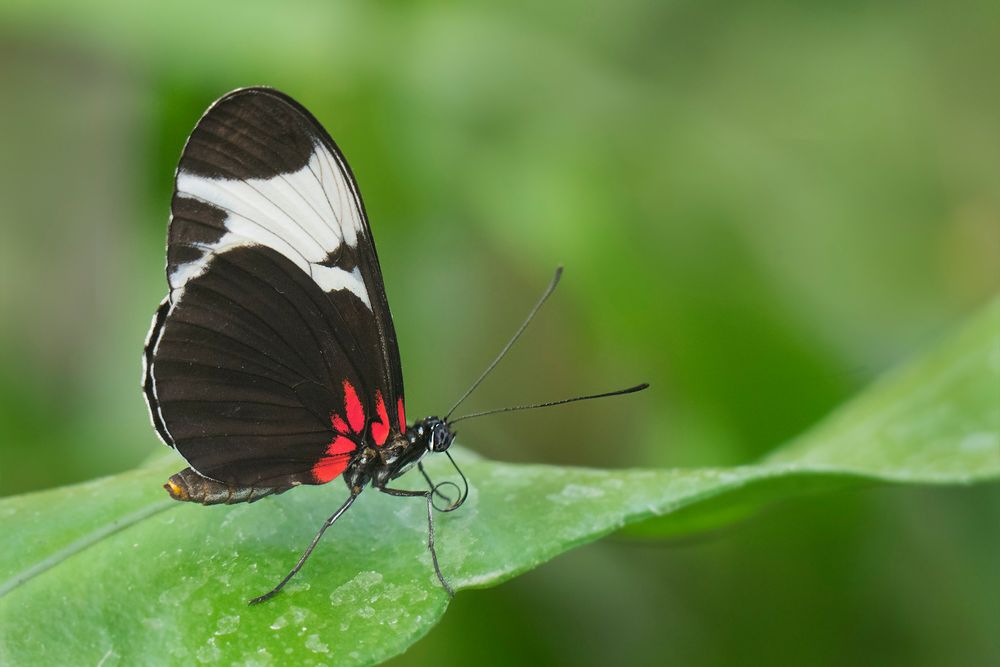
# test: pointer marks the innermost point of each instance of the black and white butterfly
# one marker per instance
(273, 361)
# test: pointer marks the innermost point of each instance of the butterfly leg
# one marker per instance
(298, 566)
(434, 487)
(429, 497)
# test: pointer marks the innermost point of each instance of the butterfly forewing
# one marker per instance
(273, 358)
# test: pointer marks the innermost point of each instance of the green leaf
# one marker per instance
(112, 571)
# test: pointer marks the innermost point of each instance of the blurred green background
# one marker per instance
(761, 206)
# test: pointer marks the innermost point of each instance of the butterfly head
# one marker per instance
(434, 434)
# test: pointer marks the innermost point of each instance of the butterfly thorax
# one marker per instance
(380, 465)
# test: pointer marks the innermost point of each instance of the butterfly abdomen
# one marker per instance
(189, 486)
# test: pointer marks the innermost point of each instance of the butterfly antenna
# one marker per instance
(548, 292)
(515, 408)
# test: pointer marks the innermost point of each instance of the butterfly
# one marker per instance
(273, 360)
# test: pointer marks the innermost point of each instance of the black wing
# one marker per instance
(273, 358)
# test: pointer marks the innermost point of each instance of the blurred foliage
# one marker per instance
(91, 551)
(760, 207)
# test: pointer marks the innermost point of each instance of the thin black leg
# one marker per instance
(298, 566)
(432, 485)
(429, 497)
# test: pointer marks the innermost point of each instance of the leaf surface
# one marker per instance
(113, 571)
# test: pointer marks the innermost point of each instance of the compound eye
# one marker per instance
(440, 439)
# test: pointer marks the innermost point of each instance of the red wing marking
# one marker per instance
(355, 423)
(335, 462)
(340, 446)
(328, 467)
(402, 415)
(339, 425)
(380, 429)
(353, 408)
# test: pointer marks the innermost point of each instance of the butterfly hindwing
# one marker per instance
(274, 357)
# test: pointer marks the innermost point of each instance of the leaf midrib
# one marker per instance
(81, 543)
(744, 477)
